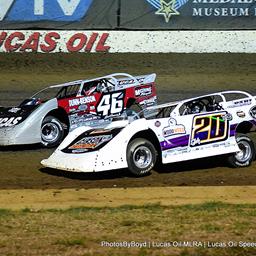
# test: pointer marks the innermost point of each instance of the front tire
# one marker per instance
(246, 154)
(141, 157)
(52, 132)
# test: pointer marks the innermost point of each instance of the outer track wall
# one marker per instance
(121, 26)
(128, 41)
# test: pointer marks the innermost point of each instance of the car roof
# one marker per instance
(114, 76)
(174, 103)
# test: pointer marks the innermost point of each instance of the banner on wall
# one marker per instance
(123, 41)
(58, 14)
(128, 14)
(188, 14)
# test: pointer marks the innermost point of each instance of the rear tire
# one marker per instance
(141, 157)
(246, 154)
(52, 132)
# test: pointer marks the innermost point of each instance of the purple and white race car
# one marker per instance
(210, 125)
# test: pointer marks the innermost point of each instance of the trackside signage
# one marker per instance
(127, 41)
(53, 41)
(51, 10)
(128, 14)
(189, 14)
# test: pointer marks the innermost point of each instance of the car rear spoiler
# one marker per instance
(130, 81)
(146, 79)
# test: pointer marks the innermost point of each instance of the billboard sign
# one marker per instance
(188, 14)
(51, 10)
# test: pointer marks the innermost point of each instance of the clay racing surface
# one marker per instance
(179, 76)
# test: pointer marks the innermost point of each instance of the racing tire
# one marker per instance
(141, 157)
(52, 132)
(246, 154)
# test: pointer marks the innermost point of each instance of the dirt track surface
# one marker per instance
(115, 197)
(179, 76)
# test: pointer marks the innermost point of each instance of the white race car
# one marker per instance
(210, 125)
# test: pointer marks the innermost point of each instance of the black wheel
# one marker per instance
(246, 154)
(141, 156)
(52, 132)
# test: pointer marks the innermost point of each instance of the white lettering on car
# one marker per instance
(143, 91)
(8, 122)
(80, 101)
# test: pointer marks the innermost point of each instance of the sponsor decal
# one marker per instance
(195, 142)
(145, 91)
(227, 117)
(8, 122)
(99, 131)
(157, 124)
(47, 42)
(240, 114)
(240, 103)
(82, 108)
(173, 128)
(49, 10)
(149, 102)
(80, 101)
(83, 120)
(91, 142)
(14, 110)
(177, 151)
(130, 81)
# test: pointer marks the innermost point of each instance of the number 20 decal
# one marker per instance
(209, 128)
(111, 104)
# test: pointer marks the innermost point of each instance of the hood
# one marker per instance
(86, 139)
(91, 140)
(14, 115)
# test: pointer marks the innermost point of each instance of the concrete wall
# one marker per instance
(128, 41)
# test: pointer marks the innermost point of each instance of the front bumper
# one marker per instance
(72, 162)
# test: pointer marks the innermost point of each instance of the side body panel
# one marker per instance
(111, 156)
(194, 136)
(29, 131)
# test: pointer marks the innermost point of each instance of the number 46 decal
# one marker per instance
(209, 128)
(111, 104)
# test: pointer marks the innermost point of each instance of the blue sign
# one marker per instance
(49, 10)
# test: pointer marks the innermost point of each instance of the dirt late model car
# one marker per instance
(48, 115)
(205, 126)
